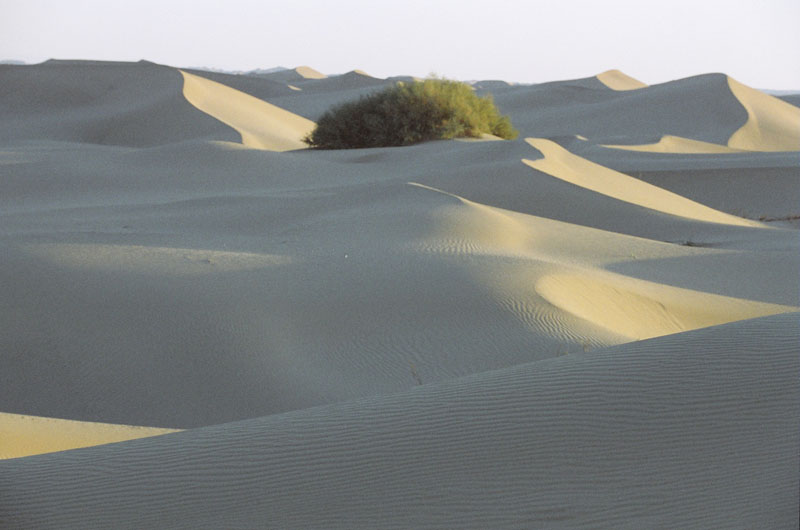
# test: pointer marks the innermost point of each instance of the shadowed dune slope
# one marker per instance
(32, 435)
(353, 79)
(307, 278)
(695, 430)
(140, 105)
(127, 104)
(772, 125)
(699, 108)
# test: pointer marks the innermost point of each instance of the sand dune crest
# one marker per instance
(676, 144)
(616, 80)
(309, 73)
(544, 276)
(261, 124)
(560, 163)
(772, 124)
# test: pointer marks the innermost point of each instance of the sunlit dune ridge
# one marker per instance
(772, 124)
(616, 80)
(551, 288)
(261, 124)
(562, 164)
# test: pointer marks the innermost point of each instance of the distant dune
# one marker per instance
(616, 80)
(594, 325)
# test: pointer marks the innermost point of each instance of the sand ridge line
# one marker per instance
(562, 164)
(772, 124)
(677, 144)
(260, 124)
(620, 81)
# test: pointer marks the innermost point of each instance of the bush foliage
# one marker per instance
(408, 113)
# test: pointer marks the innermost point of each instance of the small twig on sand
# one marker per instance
(414, 373)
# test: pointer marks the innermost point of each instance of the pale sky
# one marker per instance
(756, 42)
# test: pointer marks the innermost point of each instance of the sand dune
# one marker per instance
(262, 125)
(33, 435)
(452, 334)
(699, 108)
(693, 430)
(564, 165)
(772, 124)
(616, 80)
(559, 267)
(293, 75)
(126, 104)
(640, 310)
(264, 88)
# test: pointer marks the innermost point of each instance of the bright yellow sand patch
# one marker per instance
(641, 310)
(261, 124)
(309, 73)
(616, 80)
(678, 144)
(155, 260)
(22, 435)
(772, 124)
(560, 163)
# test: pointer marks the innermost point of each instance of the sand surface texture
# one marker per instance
(595, 325)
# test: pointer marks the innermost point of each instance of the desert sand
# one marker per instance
(205, 325)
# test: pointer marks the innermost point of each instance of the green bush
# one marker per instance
(408, 113)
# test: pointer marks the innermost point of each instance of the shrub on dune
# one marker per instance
(409, 113)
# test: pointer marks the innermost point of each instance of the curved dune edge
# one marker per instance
(560, 163)
(677, 144)
(469, 227)
(772, 124)
(640, 310)
(156, 260)
(22, 435)
(556, 285)
(261, 124)
(309, 73)
(616, 80)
